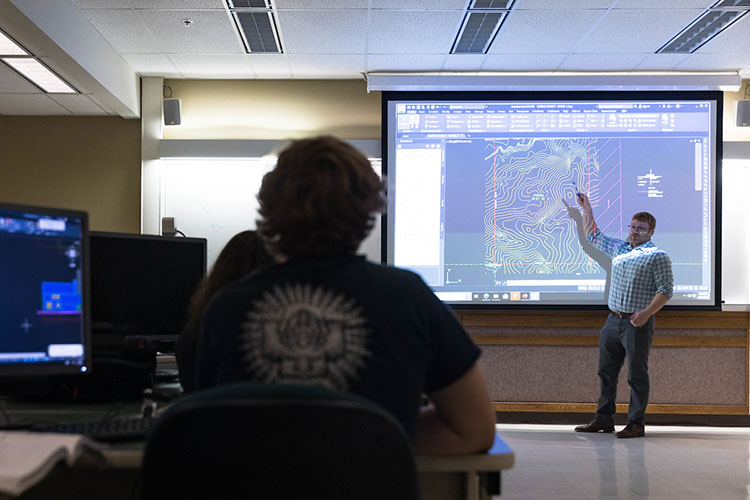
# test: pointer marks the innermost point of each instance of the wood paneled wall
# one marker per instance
(546, 361)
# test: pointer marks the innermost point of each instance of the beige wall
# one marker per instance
(281, 109)
(274, 109)
(85, 163)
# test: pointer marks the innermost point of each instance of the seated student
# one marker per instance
(326, 316)
(241, 255)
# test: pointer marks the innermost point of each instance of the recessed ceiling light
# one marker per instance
(39, 74)
(9, 48)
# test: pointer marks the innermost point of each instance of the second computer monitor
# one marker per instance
(141, 285)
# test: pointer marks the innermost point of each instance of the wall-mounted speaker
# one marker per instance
(743, 113)
(172, 111)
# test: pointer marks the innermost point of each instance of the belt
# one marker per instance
(620, 315)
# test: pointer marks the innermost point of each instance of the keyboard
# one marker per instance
(166, 375)
(119, 429)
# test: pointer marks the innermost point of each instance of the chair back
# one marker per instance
(265, 441)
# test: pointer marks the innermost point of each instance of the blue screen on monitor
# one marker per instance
(476, 185)
(43, 314)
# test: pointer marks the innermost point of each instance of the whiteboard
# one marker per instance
(217, 198)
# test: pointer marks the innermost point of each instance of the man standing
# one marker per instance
(641, 282)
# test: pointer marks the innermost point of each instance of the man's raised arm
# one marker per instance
(589, 224)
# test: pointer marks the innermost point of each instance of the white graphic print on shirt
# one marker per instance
(303, 334)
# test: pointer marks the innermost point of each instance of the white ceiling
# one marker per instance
(341, 39)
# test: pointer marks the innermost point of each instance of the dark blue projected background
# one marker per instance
(476, 189)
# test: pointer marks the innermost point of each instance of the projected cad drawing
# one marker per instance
(648, 185)
(526, 230)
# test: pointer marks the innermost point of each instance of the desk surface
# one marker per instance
(129, 455)
(499, 457)
(462, 477)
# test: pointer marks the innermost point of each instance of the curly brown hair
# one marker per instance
(646, 217)
(320, 200)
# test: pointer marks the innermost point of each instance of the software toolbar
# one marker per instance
(554, 118)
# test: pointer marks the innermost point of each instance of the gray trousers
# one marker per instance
(620, 340)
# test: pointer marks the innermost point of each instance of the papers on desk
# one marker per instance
(27, 457)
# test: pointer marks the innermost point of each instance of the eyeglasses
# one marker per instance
(639, 229)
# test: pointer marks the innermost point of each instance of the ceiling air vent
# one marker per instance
(709, 24)
(491, 4)
(234, 4)
(257, 25)
(481, 23)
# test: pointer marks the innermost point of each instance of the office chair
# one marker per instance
(264, 441)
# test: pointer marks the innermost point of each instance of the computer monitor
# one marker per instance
(141, 285)
(44, 311)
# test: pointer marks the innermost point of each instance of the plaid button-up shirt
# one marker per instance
(637, 275)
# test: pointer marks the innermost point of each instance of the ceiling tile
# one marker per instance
(151, 4)
(321, 4)
(643, 31)
(733, 39)
(153, 32)
(323, 31)
(406, 32)
(405, 62)
(522, 62)
(125, 30)
(30, 104)
(218, 66)
(520, 32)
(104, 4)
(325, 65)
(78, 104)
(210, 32)
(178, 4)
(715, 62)
(660, 61)
(601, 62)
(664, 4)
(269, 65)
(12, 83)
(418, 4)
(463, 62)
(562, 5)
(152, 65)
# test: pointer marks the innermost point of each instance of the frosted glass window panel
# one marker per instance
(735, 236)
(217, 198)
(213, 198)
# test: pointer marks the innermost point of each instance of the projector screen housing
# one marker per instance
(476, 183)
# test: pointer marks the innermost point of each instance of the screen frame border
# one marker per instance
(570, 95)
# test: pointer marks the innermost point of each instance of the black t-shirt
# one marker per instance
(343, 323)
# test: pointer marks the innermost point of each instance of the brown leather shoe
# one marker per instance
(632, 430)
(595, 426)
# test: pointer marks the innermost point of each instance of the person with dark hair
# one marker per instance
(243, 254)
(641, 282)
(324, 315)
